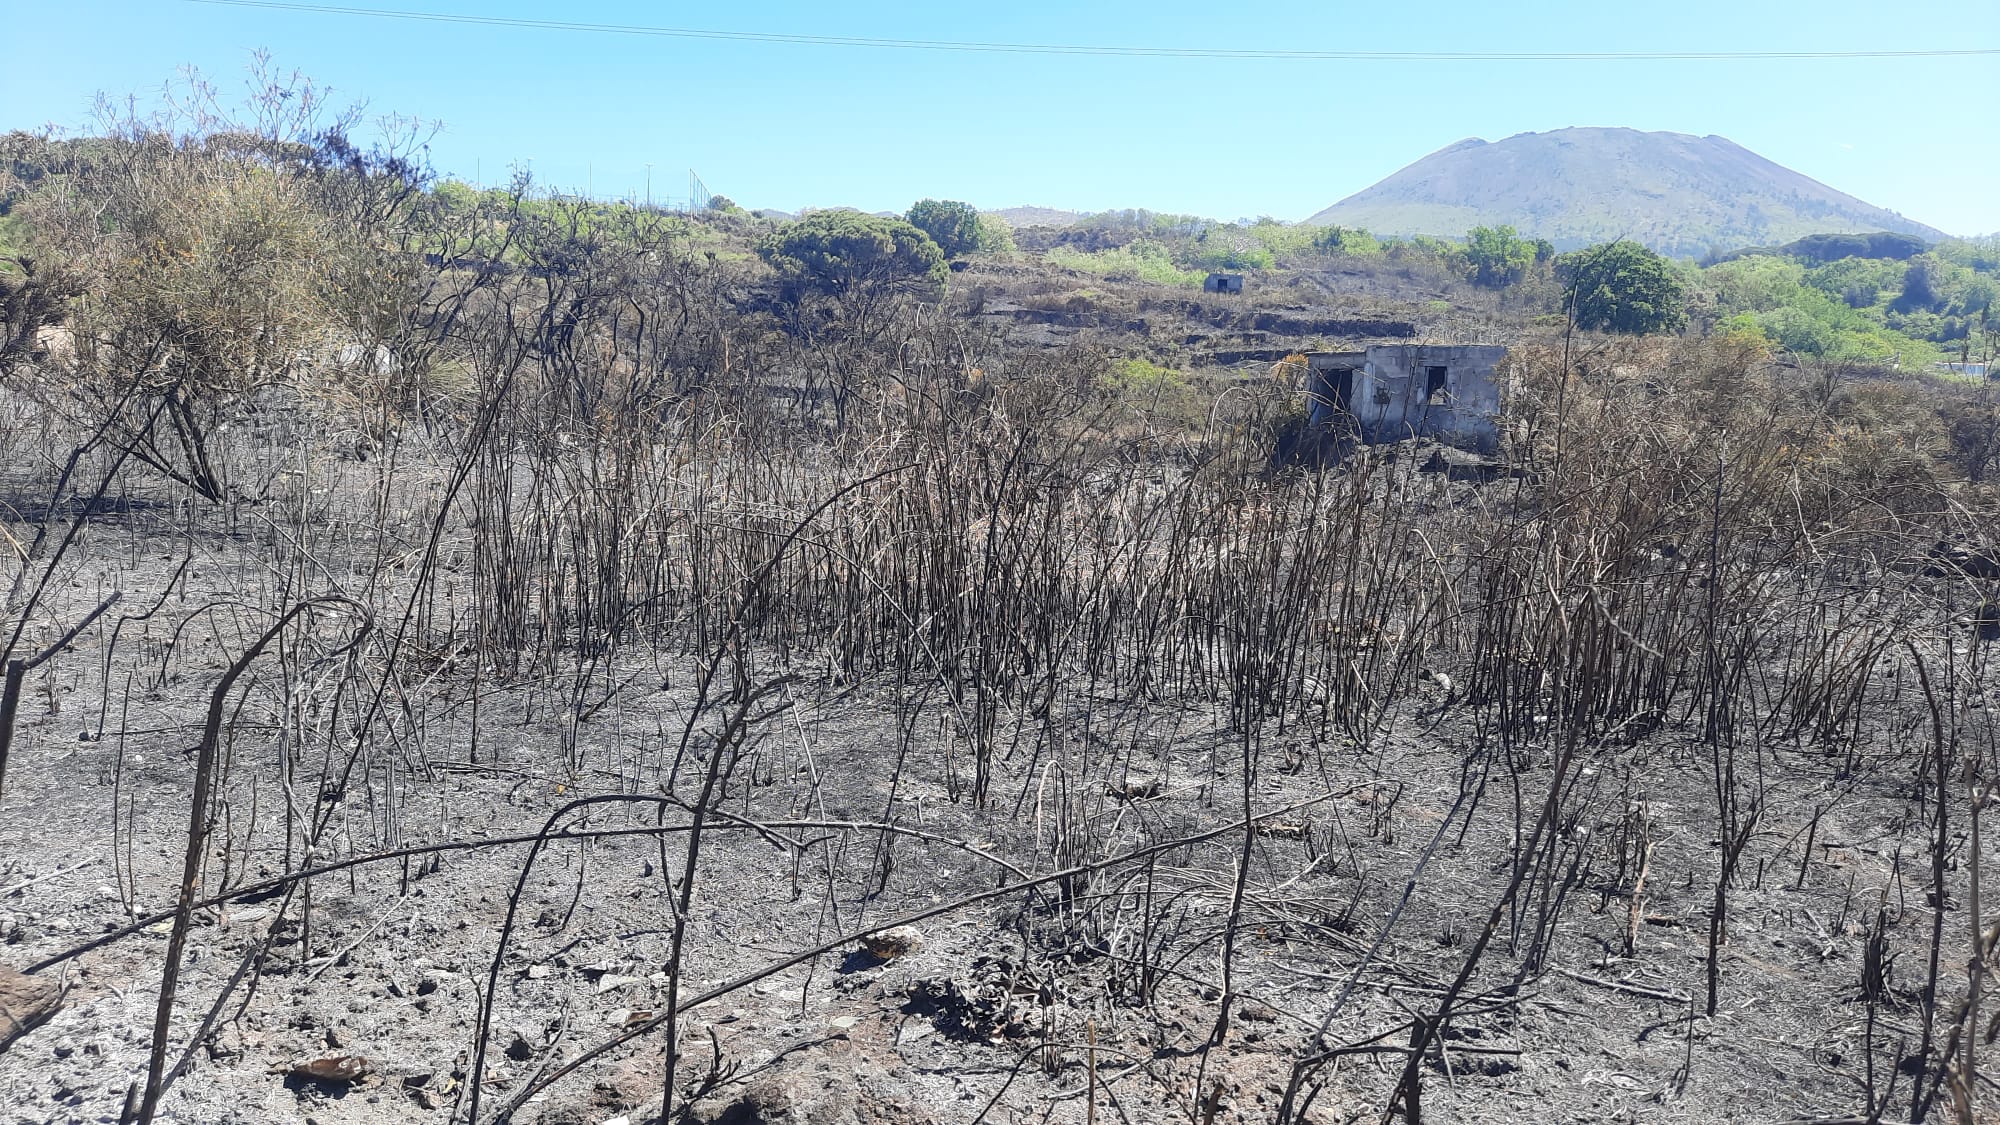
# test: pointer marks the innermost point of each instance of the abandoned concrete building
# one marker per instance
(1392, 392)
(1222, 283)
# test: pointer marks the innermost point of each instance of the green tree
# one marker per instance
(1499, 256)
(1982, 253)
(1623, 287)
(1227, 248)
(1798, 331)
(1282, 239)
(1979, 297)
(842, 273)
(455, 195)
(954, 226)
(1755, 284)
(845, 254)
(995, 236)
(1345, 240)
(1859, 282)
(1923, 286)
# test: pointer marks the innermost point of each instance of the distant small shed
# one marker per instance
(1223, 283)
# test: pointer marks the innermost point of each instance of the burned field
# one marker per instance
(527, 660)
(1012, 752)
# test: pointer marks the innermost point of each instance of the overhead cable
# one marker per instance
(1099, 50)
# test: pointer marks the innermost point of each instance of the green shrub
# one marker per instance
(1164, 395)
(1342, 240)
(995, 236)
(954, 226)
(836, 252)
(1144, 376)
(1144, 260)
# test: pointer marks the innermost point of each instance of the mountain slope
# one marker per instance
(1677, 193)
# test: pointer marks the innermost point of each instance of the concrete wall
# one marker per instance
(1391, 400)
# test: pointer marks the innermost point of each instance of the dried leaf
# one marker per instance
(332, 1068)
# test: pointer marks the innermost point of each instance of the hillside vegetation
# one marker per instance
(1872, 300)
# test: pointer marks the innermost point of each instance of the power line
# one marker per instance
(1088, 49)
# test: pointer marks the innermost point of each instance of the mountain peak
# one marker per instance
(1678, 193)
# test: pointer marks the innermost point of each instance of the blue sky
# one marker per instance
(791, 125)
